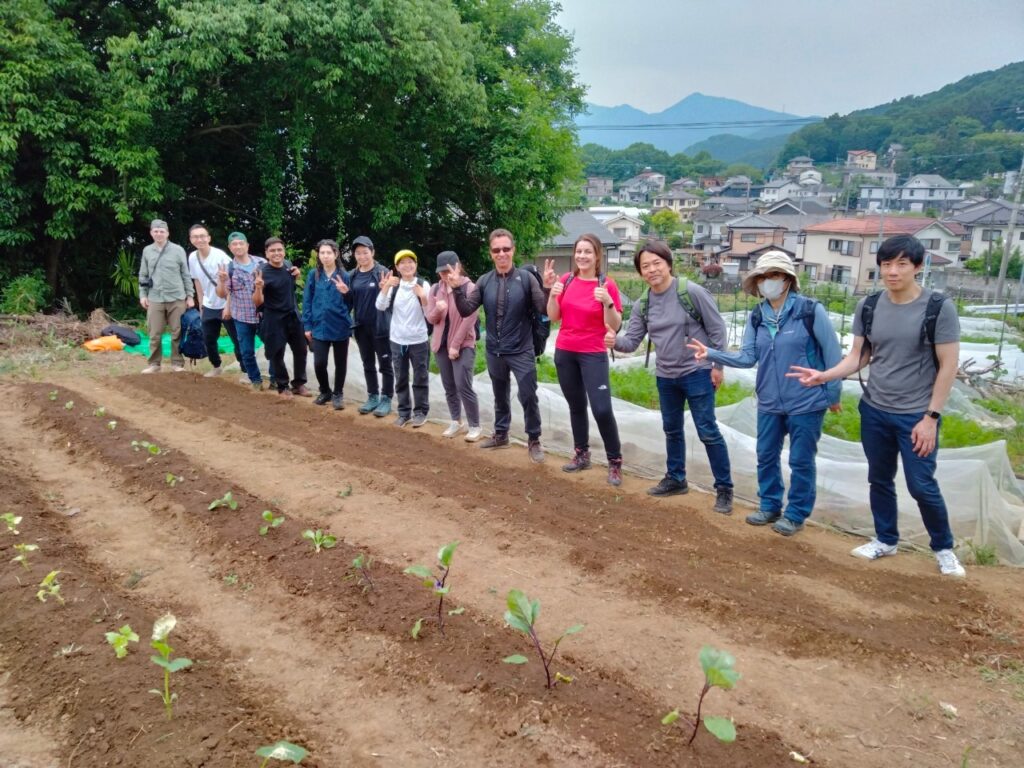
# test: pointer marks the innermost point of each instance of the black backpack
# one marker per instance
(804, 311)
(931, 317)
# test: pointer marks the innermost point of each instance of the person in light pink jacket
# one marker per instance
(454, 344)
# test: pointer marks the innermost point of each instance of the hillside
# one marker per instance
(730, 148)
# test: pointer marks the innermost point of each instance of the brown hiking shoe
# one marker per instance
(495, 441)
(301, 391)
(535, 451)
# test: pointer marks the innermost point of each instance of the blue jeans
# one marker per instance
(246, 333)
(886, 437)
(696, 389)
(804, 430)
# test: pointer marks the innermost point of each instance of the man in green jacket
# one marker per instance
(165, 290)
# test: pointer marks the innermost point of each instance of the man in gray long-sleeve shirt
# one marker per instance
(165, 290)
(671, 318)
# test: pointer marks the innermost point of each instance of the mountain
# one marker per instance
(729, 148)
(702, 117)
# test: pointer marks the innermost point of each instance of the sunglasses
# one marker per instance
(501, 250)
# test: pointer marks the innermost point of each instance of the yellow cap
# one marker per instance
(405, 253)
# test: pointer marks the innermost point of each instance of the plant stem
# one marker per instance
(545, 661)
(440, 603)
(265, 761)
(700, 702)
(167, 690)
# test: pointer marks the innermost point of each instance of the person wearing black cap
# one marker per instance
(370, 329)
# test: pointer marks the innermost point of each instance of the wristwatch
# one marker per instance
(933, 414)
(610, 304)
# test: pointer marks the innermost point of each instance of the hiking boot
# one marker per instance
(615, 472)
(418, 420)
(473, 435)
(873, 550)
(763, 517)
(383, 407)
(213, 373)
(301, 391)
(948, 564)
(535, 451)
(669, 486)
(453, 429)
(338, 403)
(786, 527)
(580, 461)
(400, 421)
(372, 402)
(322, 399)
(285, 394)
(495, 441)
(151, 369)
(723, 501)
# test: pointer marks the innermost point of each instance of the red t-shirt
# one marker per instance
(582, 328)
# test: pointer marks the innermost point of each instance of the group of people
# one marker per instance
(907, 333)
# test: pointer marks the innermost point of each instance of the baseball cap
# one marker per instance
(447, 260)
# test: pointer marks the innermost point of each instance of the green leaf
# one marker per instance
(264, 529)
(162, 627)
(517, 622)
(442, 590)
(415, 631)
(521, 608)
(722, 728)
(422, 571)
(283, 750)
(718, 667)
(329, 541)
(179, 664)
(160, 661)
(573, 629)
(515, 658)
(444, 555)
(457, 611)
(267, 515)
(309, 535)
(670, 718)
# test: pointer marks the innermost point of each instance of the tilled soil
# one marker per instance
(842, 661)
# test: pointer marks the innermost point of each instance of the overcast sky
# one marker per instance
(800, 56)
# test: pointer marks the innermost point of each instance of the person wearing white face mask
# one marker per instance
(783, 328)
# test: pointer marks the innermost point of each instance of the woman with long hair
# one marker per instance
(327, 321)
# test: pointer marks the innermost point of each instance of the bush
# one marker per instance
(25, 295)
(711, 271)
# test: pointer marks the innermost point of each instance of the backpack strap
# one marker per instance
(931, 318)
(867, 317)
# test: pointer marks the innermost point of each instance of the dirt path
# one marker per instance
(841, 660)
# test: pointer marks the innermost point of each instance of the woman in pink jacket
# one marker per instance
(454, 344)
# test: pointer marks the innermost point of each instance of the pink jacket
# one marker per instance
(461, 330)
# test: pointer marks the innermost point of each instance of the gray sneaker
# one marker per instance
(383, 408)
(763, 517)
(418, 420)
(400, 421)
(669, 486)
(535, 451)
(495, 441)
(338, 403)
(786, 527)
(723, 501)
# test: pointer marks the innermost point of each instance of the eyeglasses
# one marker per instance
(501, 250)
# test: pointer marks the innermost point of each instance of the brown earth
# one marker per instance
(841, 660)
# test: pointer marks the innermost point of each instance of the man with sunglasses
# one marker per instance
(509, 296)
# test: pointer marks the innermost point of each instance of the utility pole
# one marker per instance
(1008, 243)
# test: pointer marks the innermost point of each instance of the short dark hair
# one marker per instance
(501, 233)
(658, 248)
(907, 246)
(194, 227)
(272, 241)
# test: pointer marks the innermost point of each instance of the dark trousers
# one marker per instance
(290, 335)
(375, 351)
(321, 355)
(583, 376)
(501, 369)
(696, 390)
(212, 322)
(417, 357)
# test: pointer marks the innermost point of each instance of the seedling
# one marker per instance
(718, 672)
(119, 640)
(53, 395)
(224, 501)
(282, 750)
(13, 521)
(140, 445)
(361, 570)
(435, 583)
(23, 552)
(50, 587)
(172, 479)
(100, 412)
(271, 522)
(161, 629)
(522, 615)
(69, 405)
(111, 425)
(345, 492)
(231, 579)
(319, 539)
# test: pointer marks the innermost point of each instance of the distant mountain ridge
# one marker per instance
(719, 113)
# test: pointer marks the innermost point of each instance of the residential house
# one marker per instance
(710, 227)
(641, 187)
(986, 225)
(780, 189)
(740, 186)
(864, 159)
(796, 207)
(711, 182)
(684, 184)
(598, 188)
(920, 193)
(560, 247)
(798, 165)
(626, 229)
(883, 178)
(683, 203)
(749, 233)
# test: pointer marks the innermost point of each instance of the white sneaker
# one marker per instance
(873, 550)
(474, 434)
(212, 374)
(948, 563)
(453, 429)
(243, 380)
(177, 369)
(151, 369)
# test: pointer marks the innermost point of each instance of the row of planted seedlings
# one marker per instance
(253, 525)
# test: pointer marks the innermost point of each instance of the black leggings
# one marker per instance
(375, 350)
(321, 356)
(584, 376)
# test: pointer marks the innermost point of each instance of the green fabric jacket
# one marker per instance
(171, 280)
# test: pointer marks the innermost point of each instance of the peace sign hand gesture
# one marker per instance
(550, 278)
(258, 282)
(340, 284)
(222, 273)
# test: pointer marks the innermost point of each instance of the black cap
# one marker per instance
(362, 240)
(447, 260)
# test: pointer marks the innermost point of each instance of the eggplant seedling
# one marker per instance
(100, 412)
(52, 395)
(23, 553)
(13, 521)
(271, 522)
(49, 587)
(319, 539)
(436, 583)
(224, 501)
(718, 673)
(522, 615)
(69, 405)
(111, 425)
(361, 570)
(119, 640)
(282, 750)
(161, 629)
(172, 479)
(143, 445)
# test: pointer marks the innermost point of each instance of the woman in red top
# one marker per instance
(588, 305)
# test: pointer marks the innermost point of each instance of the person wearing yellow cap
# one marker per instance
(404, 297)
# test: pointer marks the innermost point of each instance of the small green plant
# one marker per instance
(271, 522)
(25, 295)
(319, 539)
(52, 395)
(345, 492)
(522, 615)
(231, 579)
(719, 672)
(23, 553)
(361, 571)
(982, 554)
(436, 583)
(282, 750)
(100, 412)
(50, 587)
(161, 629)
(224, 501)
(69, 405)
(143, 445)
(172, 479)
(119, 640)
(111, 425)
(12, 520)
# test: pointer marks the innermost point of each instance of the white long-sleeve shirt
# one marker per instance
(408, 323)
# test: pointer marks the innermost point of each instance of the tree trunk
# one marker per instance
(53, 252)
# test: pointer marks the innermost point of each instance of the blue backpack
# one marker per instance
(192, 344)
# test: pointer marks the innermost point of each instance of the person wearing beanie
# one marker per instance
(404, 296)
(784, 329)
(165, 292)
(370, 329)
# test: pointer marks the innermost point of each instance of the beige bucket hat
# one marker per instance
(770, 261)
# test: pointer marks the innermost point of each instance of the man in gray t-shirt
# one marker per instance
(912, 373)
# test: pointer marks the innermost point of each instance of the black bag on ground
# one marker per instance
(129, 337)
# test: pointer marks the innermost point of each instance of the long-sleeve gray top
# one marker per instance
(171, 278)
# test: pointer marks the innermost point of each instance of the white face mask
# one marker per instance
(773, 288)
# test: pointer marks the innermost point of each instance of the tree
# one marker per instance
(664, 222)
